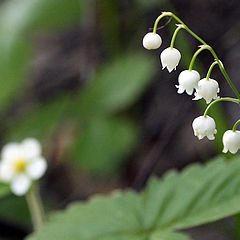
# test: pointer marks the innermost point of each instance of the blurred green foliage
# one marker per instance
(18, 21)
(15, 210)
(103, 135)
(103, 143)
(117, 85)
(100, 140)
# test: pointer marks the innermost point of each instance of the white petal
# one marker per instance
(189, 91)
(20, 185)
(225, 150)
(31, 148)
(6, 172)
(180, 89)
(11, 151)
(197, 97)
(233, 150)
(200, 136)
(37, 168)
(170, 68)
(211, 137)
(208, 101)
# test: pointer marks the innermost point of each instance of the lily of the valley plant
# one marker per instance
(189, 81)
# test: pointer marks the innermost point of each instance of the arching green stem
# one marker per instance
(210, 69)
(175, 35)
(164, 14)
(235, 125)
(203, 47)
(228, 99)
(170, 14)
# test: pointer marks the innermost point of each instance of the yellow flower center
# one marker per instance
(20, 165)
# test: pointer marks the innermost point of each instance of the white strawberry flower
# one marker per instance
(170, 58)
(188, 81)
(204, 127)
(231, 141)
(22, 163)
(152, 41)
(207, 89)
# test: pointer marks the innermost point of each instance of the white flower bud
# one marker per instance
(188, 80)
(152, 41)
(231, 141)
(170, 58)
(207, 89)
(204, 127)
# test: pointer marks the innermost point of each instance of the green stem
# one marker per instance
(235, 100)
(170, 14)
(35, 207)
(164, 14)
(210, 69)
(203, 47)
(175, 35)
(235, 125)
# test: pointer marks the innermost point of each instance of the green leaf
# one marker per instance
(169, 236)
(102, 143)
(198, 195)
(118, 84)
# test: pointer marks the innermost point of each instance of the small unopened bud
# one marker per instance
(152, 41)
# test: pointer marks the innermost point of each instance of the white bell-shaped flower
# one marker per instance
(152, 41)
(188, 81)
(21, 163)
(207, 89)
(231, 141)
(170, 58)
(204, 127)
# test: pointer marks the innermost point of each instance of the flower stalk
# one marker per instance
(35, 207)
(235, 126)
(228, 99)
(179, 27)
(202, 47)
(210, 69)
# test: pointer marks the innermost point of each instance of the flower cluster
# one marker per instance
(21, 164)
(189, 81)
